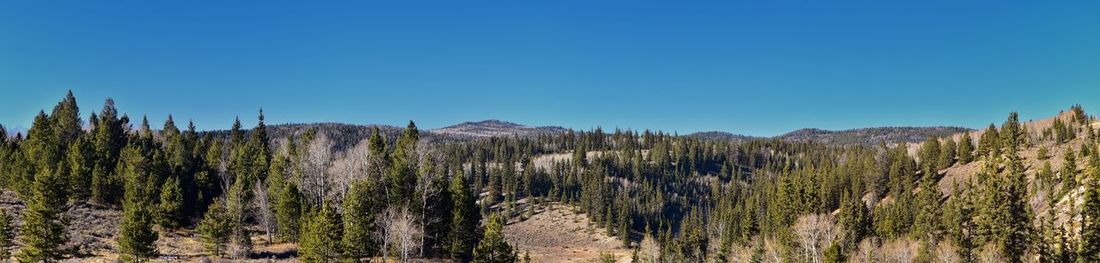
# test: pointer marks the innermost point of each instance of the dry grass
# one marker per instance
(557, 234)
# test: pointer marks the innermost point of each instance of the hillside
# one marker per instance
(871, 136)
(721, 135)
(494, 128)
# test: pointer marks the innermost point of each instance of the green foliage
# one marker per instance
(360, 209)
(492, 248)
(958, 220)
(170, 210)
(854, 220)
(288, 213)
(136, 238)
(7, 234)
(1090, 225)
(81, 161)
(401, 179)
(214, 229)
(110, 137)
(321, 236)
(966, 149)
(43, 230)
(465, 219)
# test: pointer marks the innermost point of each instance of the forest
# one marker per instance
(1021, 191)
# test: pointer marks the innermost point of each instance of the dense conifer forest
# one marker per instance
(1014, 192)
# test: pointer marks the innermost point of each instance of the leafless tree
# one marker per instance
(814, 233)
(773, 251)
(401, 231)
(865, 252)
(264, 215)
(898, 250)
(429, 161)
(946, 252)
(649, 251)
(315, 163)
(353, 164)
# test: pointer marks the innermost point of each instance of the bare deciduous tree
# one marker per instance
(898, 250)
(814, 233)
(315, 162)
(264, 215)
(865, 252)
(946, 252)
(353, 164)
(401, 232)
(649, 251)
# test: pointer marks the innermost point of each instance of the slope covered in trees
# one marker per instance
(1018, 191)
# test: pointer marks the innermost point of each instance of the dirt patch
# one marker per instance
(557, 234)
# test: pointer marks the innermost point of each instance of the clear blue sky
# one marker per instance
(751, 67)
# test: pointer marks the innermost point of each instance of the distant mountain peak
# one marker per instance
(489, 123)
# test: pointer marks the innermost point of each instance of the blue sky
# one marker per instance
(751, 67)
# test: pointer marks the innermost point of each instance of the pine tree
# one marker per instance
(170, 209)
(321, 236)
(1016, 233)
(966, 149)
(947, 157)
(136, 239)
(926, 224)
(1068, 174)
(214, 229)
(81, 162)
(1090, 225)
(958, 219)
(66, 120)
(43, 230)
(288, 213)
(855, 221)
(624, 221)
(360, 210)
(989, 145)
(402, 177)
(492, 248)
(110, 137)
(7, 235)
(464, 220)
(930, 154)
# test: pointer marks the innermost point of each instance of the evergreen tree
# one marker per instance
(66, 121)
(855, 221)
(926, 224)
(959, 222)
(136, 239)
(402, 177)
(1068, 174)
(1090, 225)
(464, 220)
(492, 248)
(7, 235)
(170, 209)
(43, 230)
(360, 210)
(1016, 232)
(288, 213)
(81, 162)
(110, 137)
(214, 229)
(989, 145)
(321, 236)
(947, 157)
(966, 149)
